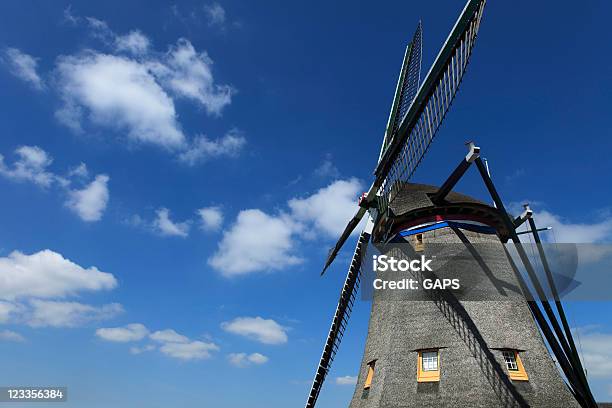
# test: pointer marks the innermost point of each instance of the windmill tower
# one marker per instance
(446, 350)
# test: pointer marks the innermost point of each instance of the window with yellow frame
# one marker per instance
(516, 370)
(419, 246)
(368, 381)
(428, 365)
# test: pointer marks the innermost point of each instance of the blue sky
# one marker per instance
(173, 175)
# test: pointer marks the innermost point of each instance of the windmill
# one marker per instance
(481, 366)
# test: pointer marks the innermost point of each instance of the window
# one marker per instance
(430, 361)
(418, 243)
(510, 360)
(516, 371)
(428, 366)
(368, 380)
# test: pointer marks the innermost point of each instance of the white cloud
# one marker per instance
(238, 359)
(189, 74)
(37, 280)
(30, 286)
(131, 88)
(134, 42)
(170, 342)
(9, 335)
(265, 331)
(31, 165)
(130, 332)
(212, 12)
(47, 274)
(69, 17)
(23, 66)
(165, 226)
(596, 352)
(243, 359)
(70, 115)
(327, 169)
(211, 218)
(140, 350)
(100, 29)
(256, 241)
(7, 309)
(346, 380)
(169, 336)
(194, 350)
(90, 202)
(178, 346)
(330, 208)
(215, 13)
(566, 231)
(162, 224)
(203, 148)
(49, 313)
(118, 92)
(79, 171)
(257, 358)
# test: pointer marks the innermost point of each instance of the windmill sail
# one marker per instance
(340, 320)
(344, 236)
(420, 124)
(407, 146)
(407, 85)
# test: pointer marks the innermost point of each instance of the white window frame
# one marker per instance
(510, 360)
(429, 360)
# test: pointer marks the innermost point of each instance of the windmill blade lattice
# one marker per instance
(344, 236)
(413, 76)
(426, 113)
(340, 320)
(408, 145)
(407, 85)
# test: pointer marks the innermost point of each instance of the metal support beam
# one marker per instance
(559, 345)
(539, 230)
(518, 221)
(574, 352)
(473, 154)
(550, 337)
(341, 316)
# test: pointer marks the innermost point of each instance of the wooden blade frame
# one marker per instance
(407, 86)
(404, 152)
(435, 96)
(340, 320)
